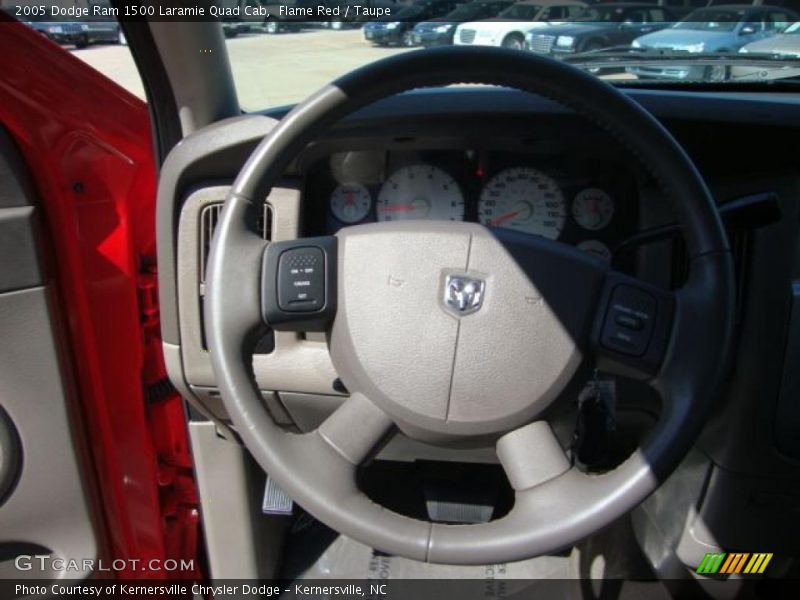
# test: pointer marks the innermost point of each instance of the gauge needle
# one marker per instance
(503, 218)
(393, 208)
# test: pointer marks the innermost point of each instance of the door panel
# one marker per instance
(35, 398)
(41, 461)
(19, 268)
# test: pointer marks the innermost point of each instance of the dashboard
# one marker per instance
(586, 201)
(497, 157)
(447, 154)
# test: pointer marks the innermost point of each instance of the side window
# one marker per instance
(657, 15)
(573, 11)
(437, 10)
(635, 16)
(756, 22)
(496, 8)
(554, 13)
(777, 20)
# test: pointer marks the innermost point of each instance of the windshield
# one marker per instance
(636, 45)
(793, 28)
(520, 11)
(712, 20)
(282, 51)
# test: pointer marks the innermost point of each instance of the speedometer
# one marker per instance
(420, 192)
(524, 199)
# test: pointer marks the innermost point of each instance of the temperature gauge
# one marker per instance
(592, 209)
(595, 248)
(350, 202)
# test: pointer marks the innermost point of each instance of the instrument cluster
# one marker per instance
(575, 201)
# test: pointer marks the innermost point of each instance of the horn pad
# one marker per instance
(454, 331)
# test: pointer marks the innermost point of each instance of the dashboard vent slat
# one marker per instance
(264, 222)
(209, 217)
(208, 223)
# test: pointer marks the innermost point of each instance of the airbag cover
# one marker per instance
(431, 366)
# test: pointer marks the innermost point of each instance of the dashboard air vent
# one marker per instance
(209, 216)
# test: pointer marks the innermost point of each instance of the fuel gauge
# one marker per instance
(595, 248)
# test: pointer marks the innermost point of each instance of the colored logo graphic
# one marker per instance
(722, 563)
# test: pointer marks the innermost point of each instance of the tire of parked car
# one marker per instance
(82, 42)
(514, 41)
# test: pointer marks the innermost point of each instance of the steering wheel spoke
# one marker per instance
(632, 327)
(531, 455)
(356, 428)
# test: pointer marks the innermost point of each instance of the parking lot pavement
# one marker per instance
(116, 63)
(277, 69)
(269, 70)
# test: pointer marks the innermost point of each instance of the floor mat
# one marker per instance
(594, 569)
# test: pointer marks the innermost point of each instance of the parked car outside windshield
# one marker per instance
(607, 26)
(395, 28)
(440, 31)
(785, 44)
(509, 28)
(724, 29)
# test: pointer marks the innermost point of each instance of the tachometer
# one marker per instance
(592, 209)
(350, 202)
(420, 192)
(524, 199)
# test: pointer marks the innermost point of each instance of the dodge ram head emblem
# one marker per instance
(463, 294)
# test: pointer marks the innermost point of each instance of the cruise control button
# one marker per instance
(301, 279)
(628, 321)
(623, 339)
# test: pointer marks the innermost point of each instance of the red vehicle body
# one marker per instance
(87, 142)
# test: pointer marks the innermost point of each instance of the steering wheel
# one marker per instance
(460, 334)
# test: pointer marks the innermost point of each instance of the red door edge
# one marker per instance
(88, 144)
